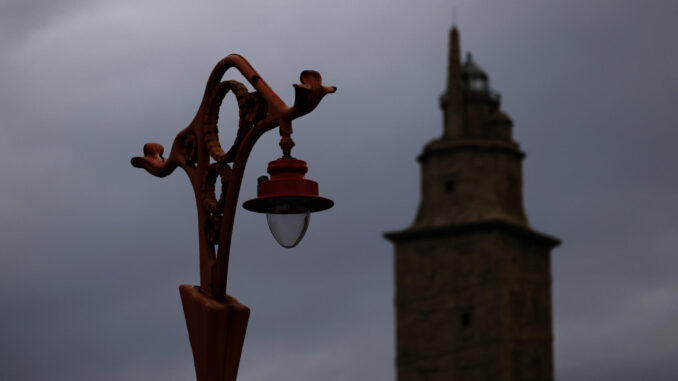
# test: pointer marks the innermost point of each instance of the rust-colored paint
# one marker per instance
(288, 182)
(214, 319)
(216, 331)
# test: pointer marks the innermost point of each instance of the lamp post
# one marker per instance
(216, 321)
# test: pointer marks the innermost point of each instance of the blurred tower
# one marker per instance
(473, 279)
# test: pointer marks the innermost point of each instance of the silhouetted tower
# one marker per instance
(473, 280)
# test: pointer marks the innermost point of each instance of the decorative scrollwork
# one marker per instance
(212, 206)
(252, 108)
(198, 144)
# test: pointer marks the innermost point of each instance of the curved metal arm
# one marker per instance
(260, 111)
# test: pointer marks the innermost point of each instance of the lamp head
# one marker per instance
(287, 198)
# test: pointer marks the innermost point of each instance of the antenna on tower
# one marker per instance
(454, 16)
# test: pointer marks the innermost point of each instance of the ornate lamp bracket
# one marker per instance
(198, 151)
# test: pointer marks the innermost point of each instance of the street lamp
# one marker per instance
(216, 321)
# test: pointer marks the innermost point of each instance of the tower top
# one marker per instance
(470, 67)
(467, 94)
(473, 76)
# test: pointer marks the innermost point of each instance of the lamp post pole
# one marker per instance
(216, 321)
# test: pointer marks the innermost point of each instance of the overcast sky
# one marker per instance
(92, 250)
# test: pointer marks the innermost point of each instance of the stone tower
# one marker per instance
(473, 279)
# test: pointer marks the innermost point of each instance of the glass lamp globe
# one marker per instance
(288, 224)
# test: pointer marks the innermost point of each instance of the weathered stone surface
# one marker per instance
(473, 282)
(478, 297)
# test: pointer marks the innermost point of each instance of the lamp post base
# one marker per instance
(216, 331)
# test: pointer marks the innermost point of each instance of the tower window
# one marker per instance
(449, 186)
(465, 319)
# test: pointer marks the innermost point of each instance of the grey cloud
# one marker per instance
(92, 250)
(18, 18)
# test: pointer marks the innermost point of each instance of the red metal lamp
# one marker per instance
(217, 322)
(288, 199)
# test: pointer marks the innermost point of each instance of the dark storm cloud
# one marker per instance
(92, 250)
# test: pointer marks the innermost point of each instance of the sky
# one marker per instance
(92, 250)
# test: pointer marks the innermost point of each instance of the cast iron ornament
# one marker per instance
(198, 144)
